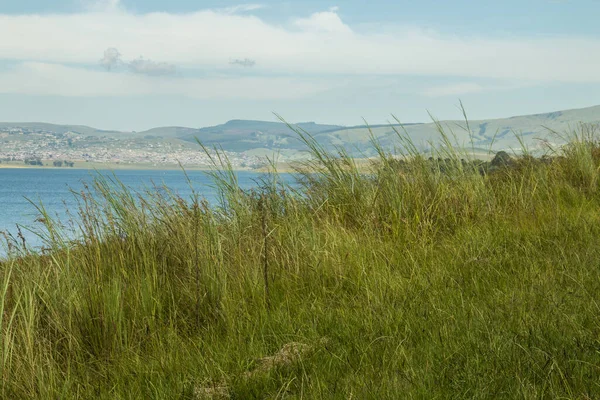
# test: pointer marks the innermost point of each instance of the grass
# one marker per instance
(441, 278)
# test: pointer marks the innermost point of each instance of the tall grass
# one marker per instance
(420, 278)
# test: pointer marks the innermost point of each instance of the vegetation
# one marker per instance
(424, 278)
(33, 161)
(60, 163)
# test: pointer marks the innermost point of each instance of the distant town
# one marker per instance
(43, 147)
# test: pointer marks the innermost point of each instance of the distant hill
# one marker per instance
(41, 126)
(242, 135)
(264, 137)
(495, 134)
(169, 132)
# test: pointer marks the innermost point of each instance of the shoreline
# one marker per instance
(114, 166)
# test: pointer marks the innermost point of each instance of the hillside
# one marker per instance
(45, 127)
(498, 134)
(255, 139)
(243, 135)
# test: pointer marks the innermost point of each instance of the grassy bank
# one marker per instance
(427, 278)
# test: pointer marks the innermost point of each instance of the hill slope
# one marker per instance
(499, 134)
(264, 137)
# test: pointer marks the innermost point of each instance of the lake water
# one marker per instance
(53, 188)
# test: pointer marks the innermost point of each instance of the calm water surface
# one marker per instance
(53, 188)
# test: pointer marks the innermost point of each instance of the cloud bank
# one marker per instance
(319, 45)
(37, 78)
(112, 60)
(152, 68)
(242, 8)
(246, 62)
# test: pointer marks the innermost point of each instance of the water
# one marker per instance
(53, 188)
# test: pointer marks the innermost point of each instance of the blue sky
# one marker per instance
(135, 64)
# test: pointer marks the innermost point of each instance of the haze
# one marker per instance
(133, 65)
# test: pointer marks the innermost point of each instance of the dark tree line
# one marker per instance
(59, 163)
(56, 163)
(33, 161)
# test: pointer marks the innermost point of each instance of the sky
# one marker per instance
(138, 64)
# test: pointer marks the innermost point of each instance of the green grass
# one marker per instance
(421, 279)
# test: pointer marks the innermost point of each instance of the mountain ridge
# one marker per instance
(236, 121)
(259, 137)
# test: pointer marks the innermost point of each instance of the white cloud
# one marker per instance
(241, 8)
(319, 45)
(453, 89)
(246, 62)
(111, 59)
(323, 22)
(463, 88)
(152, 68)
(36, 78)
